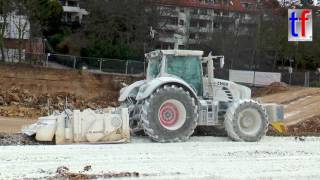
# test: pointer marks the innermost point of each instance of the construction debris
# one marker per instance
(16, 139)
(63, 172)
(17, 102)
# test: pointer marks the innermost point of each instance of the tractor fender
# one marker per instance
(148, 88)
(130, 91)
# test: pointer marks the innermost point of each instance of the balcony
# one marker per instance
(200, 16)
(75, 9)
(200, 29)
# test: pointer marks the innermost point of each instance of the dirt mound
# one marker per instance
(273, 88)
(17, 102)
(311, 125)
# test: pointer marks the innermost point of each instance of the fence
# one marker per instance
(98, 65)
(61, 61)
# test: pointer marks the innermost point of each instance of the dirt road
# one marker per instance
(13, 125)
(201, 158)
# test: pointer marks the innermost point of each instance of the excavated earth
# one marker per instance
(17, 102)
(301, 105)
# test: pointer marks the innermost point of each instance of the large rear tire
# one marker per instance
(246, 121)
(169, 115)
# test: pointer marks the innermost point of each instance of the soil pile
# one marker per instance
(310, 126)
(273, 88)
(17, 102)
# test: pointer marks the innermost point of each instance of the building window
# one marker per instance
(73, 3)
(203, 11)
(167, 46)
(181, 46)
(217, 13)
(216, 25)
(209, 1)
(194, 11)
(170, 20)
(203, 24)
(225, 13)
(193, 23)
(192, 36)
(181, 22)
(182, 9)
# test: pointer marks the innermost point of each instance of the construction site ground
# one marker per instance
(199, 158)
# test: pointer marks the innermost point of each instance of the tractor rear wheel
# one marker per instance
(246, 121)
(169, 115)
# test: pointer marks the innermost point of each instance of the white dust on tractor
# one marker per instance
(179, 94)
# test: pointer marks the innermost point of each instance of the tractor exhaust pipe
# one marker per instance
(210, 68)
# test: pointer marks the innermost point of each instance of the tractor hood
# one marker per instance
(229, 91)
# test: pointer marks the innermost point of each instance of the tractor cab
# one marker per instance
(182, 64)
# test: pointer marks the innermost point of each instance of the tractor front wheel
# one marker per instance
(246, 121)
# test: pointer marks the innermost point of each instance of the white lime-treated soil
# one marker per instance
(199, 158)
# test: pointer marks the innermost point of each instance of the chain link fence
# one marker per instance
(61, 61)
(101, 65)
(97, 64)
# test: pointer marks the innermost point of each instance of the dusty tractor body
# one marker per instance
(179, 94)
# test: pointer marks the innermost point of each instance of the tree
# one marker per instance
(5, 9)
(118, 29)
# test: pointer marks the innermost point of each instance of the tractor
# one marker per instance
(181, 93)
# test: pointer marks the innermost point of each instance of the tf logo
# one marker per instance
(299, 25)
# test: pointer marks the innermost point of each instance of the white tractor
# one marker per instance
(177, 96)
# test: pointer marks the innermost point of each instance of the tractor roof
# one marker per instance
(174, 52)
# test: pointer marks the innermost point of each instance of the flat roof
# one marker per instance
(174, 52)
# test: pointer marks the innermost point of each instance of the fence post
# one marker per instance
(47, 60)
(74, 62)
(306, 79)
(101, 65)
(127, 67)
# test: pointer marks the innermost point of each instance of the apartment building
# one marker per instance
(72, 12)
(188, 22)
(17, 41)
